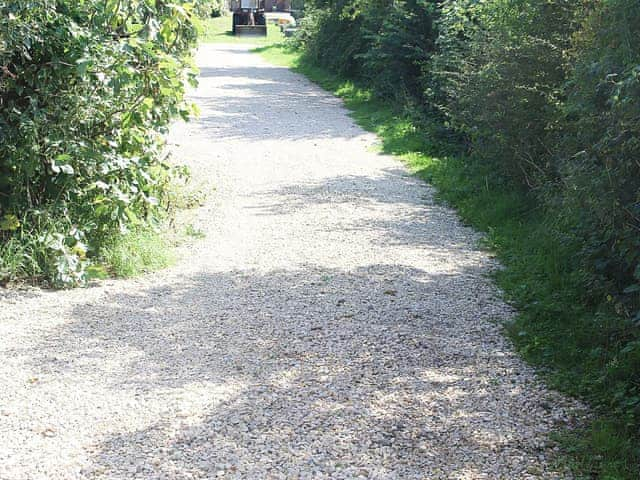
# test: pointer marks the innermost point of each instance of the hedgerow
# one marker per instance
(87, 88)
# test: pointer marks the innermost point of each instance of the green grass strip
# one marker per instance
(218, 30)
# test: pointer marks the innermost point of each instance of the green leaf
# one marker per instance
(66, 169)
(9, 223)
(632, 288)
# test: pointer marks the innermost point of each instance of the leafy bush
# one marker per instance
(498, 78)
(86, 90)
(211, 8)
(600, 176)
(333, 39)
(400, 45)
(382, 43)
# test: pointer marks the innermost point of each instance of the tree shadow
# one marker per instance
(259, 101)
(385, 371)
(395, 209)
(387, 188)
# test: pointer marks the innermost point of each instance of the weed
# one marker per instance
(137, 252)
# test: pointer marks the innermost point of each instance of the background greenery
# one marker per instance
(525, 114)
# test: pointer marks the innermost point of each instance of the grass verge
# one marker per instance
(41, 256)
(150, 248)
(139, 251)
(581, 348)
(218, 30)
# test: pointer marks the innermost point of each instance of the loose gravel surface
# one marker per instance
(334, 323)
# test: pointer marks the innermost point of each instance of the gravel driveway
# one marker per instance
(334, 323)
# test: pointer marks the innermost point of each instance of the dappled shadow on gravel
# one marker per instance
(380, 372)
(387, 187)
(258, 102)
(203, 327)
(387, 214)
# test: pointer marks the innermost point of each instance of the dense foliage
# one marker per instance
(86, 89)
(543, 101)
(600, 169)
(383, 42)
(498, 76)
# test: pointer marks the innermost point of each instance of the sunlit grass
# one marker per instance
(137, 252)
(218, 30)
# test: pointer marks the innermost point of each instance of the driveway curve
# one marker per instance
(335, 323)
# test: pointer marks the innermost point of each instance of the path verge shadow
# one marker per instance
(372, 372)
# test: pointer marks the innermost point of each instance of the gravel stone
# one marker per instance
(335, 323)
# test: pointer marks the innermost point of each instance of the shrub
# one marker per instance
(498, 77)
(86, 89)
(382, 43)
(334, 39)
(599, 189)
(402, 42)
